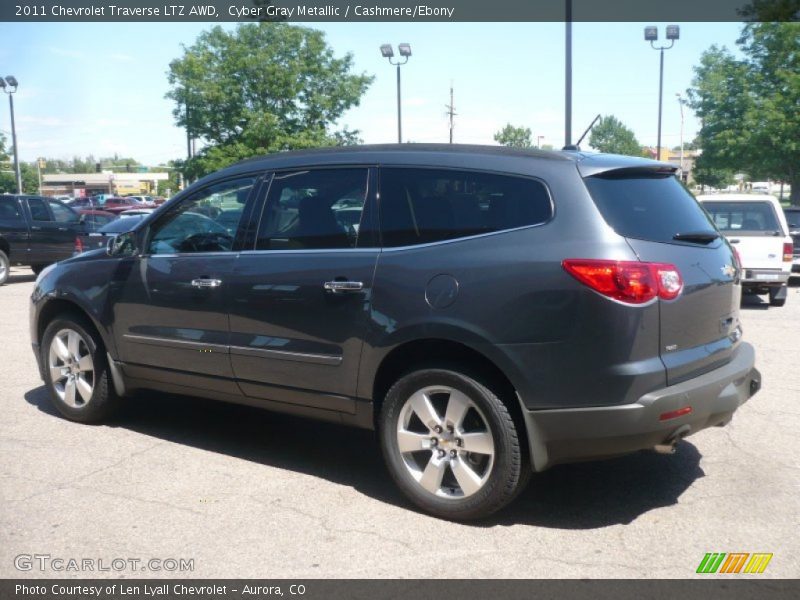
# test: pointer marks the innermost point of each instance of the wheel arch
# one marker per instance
(5, 247)
(434, 351)
(56, 307)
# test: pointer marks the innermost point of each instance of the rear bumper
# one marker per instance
(764, 277)
(568, 435)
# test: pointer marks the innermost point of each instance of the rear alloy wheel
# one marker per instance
(451, 445)
(76, 371)
(5, 267)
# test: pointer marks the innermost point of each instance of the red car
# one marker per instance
(116, 204)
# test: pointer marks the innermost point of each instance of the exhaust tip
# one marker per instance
(670, 444)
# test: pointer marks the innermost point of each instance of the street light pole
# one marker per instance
(651, 35)
(13, 83)
(568, 76)
(388, 52)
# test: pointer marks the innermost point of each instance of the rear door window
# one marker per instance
(9, 210)
(420, 206)
(750, 217)
(650, 207)
(39, 210)
(314, 209)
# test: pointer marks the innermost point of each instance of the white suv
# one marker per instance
(756, 226)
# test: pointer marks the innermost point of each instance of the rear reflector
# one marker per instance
(631, 282)
(674, 414)
(78, 245)
(787, 252)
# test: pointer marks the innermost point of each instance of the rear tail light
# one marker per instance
(787, 252)
(738, 259)
(78, 245)
(631, 282)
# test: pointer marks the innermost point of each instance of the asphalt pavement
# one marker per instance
(191, 488)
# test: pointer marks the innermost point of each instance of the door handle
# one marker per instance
(734, 241)
(204, 283)
(36, 228)
(63, 229)
(340, 287)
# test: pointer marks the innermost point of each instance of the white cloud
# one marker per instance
(66, 52)
(121, 57)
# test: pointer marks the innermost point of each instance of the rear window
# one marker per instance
(647, 207)
(748, 216)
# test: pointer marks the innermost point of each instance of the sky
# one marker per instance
(98, 88)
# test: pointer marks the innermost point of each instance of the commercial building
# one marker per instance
(107, 182)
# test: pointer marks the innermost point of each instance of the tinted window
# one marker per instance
(122, 224)
(743, 216)
(313, 209)
(428, 205)
(39, 210)
(61, 213)
(9, 210)
(792, 217)
(653, 208)
(192, 225)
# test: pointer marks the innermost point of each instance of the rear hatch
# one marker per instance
(753, 228)
(663, 223)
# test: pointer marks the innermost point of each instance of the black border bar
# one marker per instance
(366, 11)
(718, 588)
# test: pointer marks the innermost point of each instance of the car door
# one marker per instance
(14, 229)
(171, 316)
(300, 297)
(54, 227)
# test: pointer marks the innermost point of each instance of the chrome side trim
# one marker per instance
(319, 359)
(172, 343)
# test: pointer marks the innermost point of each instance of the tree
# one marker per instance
(612, 136)
(514, 137)
(264, 87)
(7, 181)
(749, 107)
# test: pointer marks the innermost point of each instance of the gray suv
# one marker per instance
(490, 312)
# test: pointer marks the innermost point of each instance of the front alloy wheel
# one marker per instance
(76, 370)
(71, 368)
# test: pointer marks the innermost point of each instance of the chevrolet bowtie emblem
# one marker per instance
(729, 270)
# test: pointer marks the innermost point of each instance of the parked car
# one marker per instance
(142, 199)
(94, 219)
(755, 225)
(496, 311)
(35, 232)
(92, 240)
(136, 211)
(118, 204)
(792, 215)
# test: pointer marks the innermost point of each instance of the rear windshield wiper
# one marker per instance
(700, 237)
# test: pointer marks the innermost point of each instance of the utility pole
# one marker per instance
(451, 112)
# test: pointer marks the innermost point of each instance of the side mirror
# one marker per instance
(122, 245)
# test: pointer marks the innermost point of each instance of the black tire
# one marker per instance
(104, 400)
(503, 480)
(773, 301)
(37, 268)
(5, 267)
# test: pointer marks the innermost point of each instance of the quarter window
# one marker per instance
(315, 209)
(419, 206)
(206, 222)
